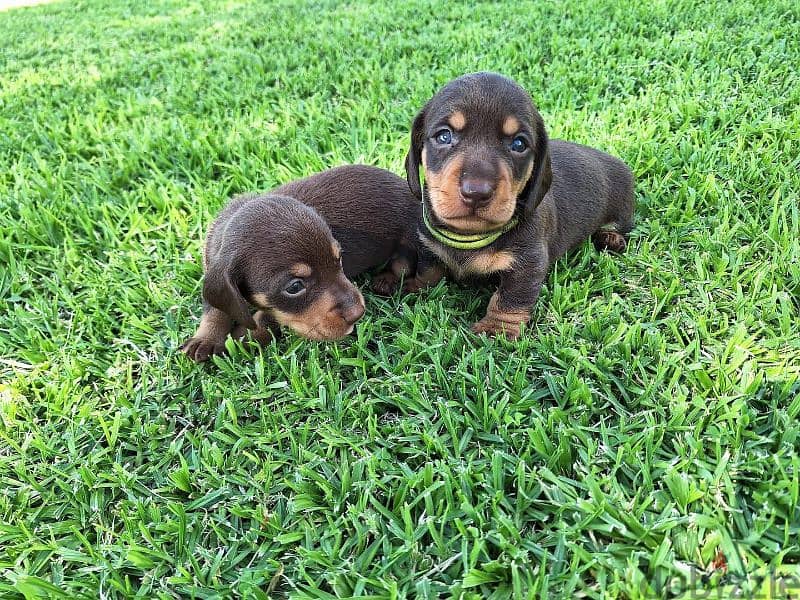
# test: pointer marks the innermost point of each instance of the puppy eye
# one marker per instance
(443, 136)
(295, 287)
(519, 144)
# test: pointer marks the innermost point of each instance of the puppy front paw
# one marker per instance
(493, 327)
(199, 349)
(385, 284)
(266, 330)
(500, 321)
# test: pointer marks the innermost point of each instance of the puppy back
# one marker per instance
(362, 197)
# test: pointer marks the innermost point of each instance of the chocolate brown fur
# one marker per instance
(369, 211)
(256, 251)
(478, 177)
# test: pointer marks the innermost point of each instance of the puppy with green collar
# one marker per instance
(501, 200)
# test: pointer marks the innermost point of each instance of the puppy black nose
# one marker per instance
(350, 305)
(476, 192)
(353, 313)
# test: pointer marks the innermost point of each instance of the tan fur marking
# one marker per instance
(502, 206)
(491, 262)
(260, 300)
(510, 126)
(443, 190)
(498, 321)
(445, 197)
(457, 120)
(518, 186)
(301, 269)
(337, 254)
(320, 321)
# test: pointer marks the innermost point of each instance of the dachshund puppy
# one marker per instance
(290, 253)
(280, 256)
(500, 199)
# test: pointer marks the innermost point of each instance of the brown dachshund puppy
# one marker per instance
(499, 199)
(279, 255)
(277, 252)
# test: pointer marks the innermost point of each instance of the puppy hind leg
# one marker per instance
(610, 240)
(614, 236)
(620, 217)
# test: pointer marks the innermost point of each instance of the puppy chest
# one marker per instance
(478, 262)
(488, 262)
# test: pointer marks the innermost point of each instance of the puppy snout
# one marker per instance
(476, 192)
(351, 305)
(353, 313)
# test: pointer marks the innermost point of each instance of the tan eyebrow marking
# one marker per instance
(457, 120)
(300, 270)
(337, 250)
(510, 125)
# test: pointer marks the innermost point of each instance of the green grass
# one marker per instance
(643, 430)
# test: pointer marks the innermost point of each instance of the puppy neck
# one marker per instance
(462, 241)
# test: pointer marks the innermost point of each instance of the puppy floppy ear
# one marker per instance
(414, 156)
(542, 175)
(220, 291)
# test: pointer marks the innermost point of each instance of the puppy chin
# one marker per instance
(478, 222)
(324, 332)
(466, 220)
(469, 224)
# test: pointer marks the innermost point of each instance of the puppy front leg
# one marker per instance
(210, 335)
(429, 272)
(510, 306)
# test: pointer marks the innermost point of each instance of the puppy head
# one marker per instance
(280, 256)
(483, 148)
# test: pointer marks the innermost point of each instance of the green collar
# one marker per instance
(461, 241)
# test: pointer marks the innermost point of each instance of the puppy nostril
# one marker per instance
(351, 311)
(354, 314)
(476, 191)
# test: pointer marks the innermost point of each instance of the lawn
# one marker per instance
(640, 441)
